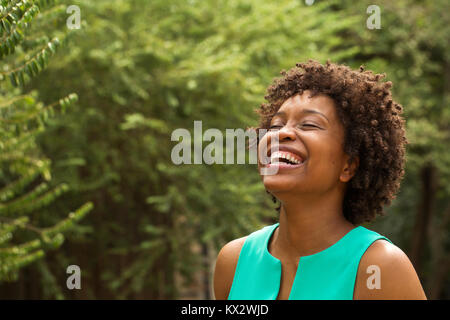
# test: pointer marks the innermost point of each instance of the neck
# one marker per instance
(310, 225)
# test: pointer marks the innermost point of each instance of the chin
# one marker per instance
(279, 183)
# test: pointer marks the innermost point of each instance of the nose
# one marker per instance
(286, 133)
(273, 138)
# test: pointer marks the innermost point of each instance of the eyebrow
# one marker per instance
(283, 114)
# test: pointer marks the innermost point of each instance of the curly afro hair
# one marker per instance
(374, 129)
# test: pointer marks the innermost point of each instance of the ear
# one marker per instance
(350, 167)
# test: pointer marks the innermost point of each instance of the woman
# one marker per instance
(341, 143)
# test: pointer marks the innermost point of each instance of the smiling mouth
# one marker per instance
(285, 160)
(285, 157)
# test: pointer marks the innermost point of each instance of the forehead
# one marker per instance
(297, 103)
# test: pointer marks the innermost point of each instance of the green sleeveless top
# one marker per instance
(327, 275)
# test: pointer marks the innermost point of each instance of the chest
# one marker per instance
(265, 274)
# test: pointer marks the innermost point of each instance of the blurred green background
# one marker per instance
(142, 227)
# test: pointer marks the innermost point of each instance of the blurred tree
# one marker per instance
(24, 172)
(412, 47)
(143, 69)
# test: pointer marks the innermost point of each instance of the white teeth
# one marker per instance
(284, 155)
(274, 157)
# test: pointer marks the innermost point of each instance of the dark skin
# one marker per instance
(311, 196)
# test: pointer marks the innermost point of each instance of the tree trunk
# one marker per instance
(206, 265)
(424, 214)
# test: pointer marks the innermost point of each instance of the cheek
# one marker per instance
(262, 150)
(327, 158)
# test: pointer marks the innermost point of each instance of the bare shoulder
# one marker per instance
(226, 263)
(385, 272)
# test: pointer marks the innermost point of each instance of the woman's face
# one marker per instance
(312, 136)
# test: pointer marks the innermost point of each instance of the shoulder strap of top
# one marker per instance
(331, 273)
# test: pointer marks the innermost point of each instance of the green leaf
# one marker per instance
(13, 79)
(6, 25)
(34, 66)
(73, 97)
(10, 44)
(56, 42)
(51, 47)
(63, 105)
(29, 70)
(45, 55)
(41, 61)
(21, 77)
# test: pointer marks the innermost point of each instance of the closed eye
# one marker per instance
(303, 125)
(309, 125)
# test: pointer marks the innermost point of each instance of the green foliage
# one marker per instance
(412, 48)
(145, 68)
(25, 173)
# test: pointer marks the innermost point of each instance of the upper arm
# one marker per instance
(225, 267)
(397, 278)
